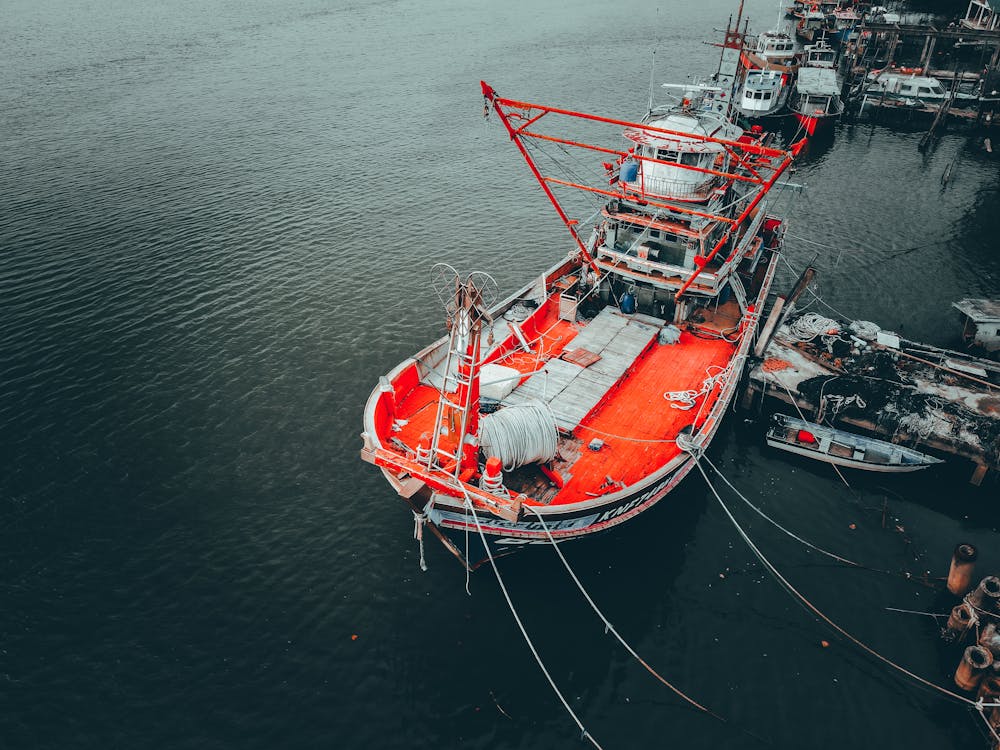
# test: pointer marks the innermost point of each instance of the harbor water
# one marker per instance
(217, 223)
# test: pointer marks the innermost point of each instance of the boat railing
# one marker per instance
(744, 244)
(734, 371)
(680, 189)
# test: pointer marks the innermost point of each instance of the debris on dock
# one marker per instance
(857, 374)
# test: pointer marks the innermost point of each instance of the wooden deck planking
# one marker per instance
(571, 397)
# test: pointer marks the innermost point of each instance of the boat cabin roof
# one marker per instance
(817, 82)
(644, 220)
(980, 310)
(685, 122)
(763, 79)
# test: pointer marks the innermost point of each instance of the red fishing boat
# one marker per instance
(577, 402)
(816, 101)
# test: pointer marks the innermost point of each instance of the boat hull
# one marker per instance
(460, 528)
(813, 124)
(841, 448)
(844, 461)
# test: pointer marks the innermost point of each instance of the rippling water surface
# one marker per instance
(217, 221)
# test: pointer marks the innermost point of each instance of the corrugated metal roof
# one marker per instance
(980, 310)
(817, 82)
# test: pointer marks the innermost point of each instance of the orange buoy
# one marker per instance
(963, 562)
(975, 661)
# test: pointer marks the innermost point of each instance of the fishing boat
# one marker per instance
(762, 93)
(812, 23)
(816, 101)
(579, 401)
(770, 50)
(843, 448)
(843, 22)
(905, 87)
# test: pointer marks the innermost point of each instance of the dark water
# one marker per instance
(216, 221)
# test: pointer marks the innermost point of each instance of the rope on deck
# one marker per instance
(696, 454)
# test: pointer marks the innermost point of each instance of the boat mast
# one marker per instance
(492, 98)
(460, 418)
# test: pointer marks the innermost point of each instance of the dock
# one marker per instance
(879, 47)
(856, 376)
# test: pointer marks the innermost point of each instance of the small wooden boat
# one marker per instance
(843, 448)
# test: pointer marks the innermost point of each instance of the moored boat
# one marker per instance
(770, 50)
(816, 101)
(905, 88)
(580, 400)
(843, 448)
(762, 93)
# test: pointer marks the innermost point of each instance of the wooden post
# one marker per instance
(979, 474)
(963, 562)
(925, 60)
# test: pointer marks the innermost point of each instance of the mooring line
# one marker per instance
(690, 448)
(609, 628)
(777, 525)
(527, 639)
(989, 726)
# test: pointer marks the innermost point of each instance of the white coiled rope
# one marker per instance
(865, 329)
(520, 434)
(811, 325)
(687, 399)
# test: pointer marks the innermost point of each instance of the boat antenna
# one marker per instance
(652, 74)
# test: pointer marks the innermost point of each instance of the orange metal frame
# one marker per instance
(770, 159)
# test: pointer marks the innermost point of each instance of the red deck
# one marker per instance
(634, 420)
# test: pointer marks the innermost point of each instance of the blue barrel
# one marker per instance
(629, 171)
(627, 305)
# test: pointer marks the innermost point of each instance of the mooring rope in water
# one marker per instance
(989, 725)
(807, 543)
(609, 628)
(524, 633)
(777, 525)
(782, 581)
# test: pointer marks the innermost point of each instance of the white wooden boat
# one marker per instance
(843, 448)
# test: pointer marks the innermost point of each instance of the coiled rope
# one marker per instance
(811, 325)
(687, 399)
(520, 434)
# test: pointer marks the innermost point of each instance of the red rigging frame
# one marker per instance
(755, 163)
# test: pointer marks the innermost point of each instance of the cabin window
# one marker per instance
(907, 89)
(924, 90)
(665, 154)
(767, 94)
(937, 90)
(654, 233)
(689, 158)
